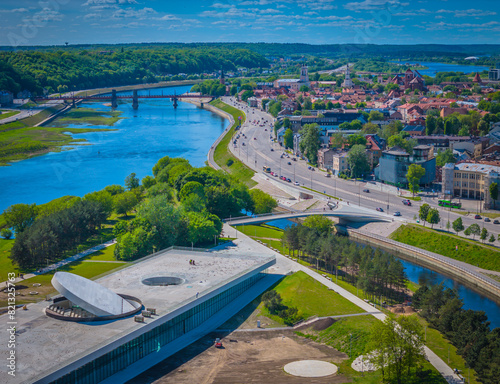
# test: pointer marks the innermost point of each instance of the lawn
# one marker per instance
(261, 231)
(469, 251)
(6, 265)
(313, 298)
(6, 114)
(222, 154)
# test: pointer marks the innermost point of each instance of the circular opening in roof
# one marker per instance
(162, 281)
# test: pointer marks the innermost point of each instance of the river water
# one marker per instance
(421, 275)
(443, 67)
(155, 130)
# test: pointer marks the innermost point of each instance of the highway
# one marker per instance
(256, 149)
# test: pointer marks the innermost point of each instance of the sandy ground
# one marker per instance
(246, 357)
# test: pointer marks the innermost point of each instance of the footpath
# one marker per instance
(284, 266)
(61, 263)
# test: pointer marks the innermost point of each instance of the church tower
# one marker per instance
(304, 76)
(347, 82)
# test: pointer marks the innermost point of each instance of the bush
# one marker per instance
(6, 233)
(229, 162)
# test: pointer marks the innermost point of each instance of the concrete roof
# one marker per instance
(45, 344)
(474, 167)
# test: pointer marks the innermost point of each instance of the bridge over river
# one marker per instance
(345, 213)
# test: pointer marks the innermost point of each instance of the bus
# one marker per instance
(447, 203)
(266, 169)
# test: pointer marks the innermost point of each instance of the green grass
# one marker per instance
(88, 116)
(23, 143)
(261, 231)
(5, 115)
(440, 346)
(6, 265)
(469, 251)
(321, 193)
(312, 298)
(414, 198)
(106, 254)
(222, 153)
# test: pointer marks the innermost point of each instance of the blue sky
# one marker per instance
(30, 22)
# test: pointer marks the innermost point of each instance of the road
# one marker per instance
(257, 150)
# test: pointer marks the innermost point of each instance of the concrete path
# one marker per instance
(63, 262)
(285, 265)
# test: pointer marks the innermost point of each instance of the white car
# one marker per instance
(297, 183)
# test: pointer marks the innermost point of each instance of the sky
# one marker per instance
(56, 22)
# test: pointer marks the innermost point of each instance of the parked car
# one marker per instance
(496, 222)
(289, 180)
(397, 213)
(478, 217)
(366, 190)
(272, 150)
(328, 175)
(380, 209)
(289, 163)
(487, 220)
(297, 183)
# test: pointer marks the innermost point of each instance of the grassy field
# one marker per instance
(469, 251)
(6, 114)
(88, 116)
(222, 154)
(6, 265)
(313, 298)
(261, 231)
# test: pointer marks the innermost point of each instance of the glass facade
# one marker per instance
(152, 341)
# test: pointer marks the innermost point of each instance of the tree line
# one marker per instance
(68, 70)
(178, 205)
(376, 272)
(467, 330)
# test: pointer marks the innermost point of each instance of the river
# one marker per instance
(155, 130)
(421, 275)
(432, 68)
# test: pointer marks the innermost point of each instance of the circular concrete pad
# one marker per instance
(311, 368)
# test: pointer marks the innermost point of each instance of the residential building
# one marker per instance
(340, 164)
(471, 181)
(374, 147)
(330, 119)
(414, 130)
(253, 102)
(474, 146)
(6, 98)
(325, 158)
(494, 73)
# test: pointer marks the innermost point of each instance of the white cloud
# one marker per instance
(468, 12)
(372, 5)
(133, 13)
(105, 2)
(16, 10)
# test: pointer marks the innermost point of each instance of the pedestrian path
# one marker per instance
(285, 265)
(61, 263)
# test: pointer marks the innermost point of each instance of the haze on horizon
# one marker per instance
(55, 22)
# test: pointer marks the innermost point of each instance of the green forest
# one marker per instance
(70, 69)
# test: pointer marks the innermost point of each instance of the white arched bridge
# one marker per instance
(345, 213)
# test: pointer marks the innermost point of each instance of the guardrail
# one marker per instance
(440, 258)
(276, 215)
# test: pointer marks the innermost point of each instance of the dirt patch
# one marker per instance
(246, 357)
(318, 325)
(402, 309)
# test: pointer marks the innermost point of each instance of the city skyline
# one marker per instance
(56, 22)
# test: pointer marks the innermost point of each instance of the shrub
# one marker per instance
(6, 233)
(229, 162)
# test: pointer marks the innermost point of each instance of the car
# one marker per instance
(255, 138)
(265, 129)
(289, 163)
(407, 202)
(397, 213)
(478, 217)
(366, 190)
(379, 209)
(294, 158)
(487, 220)
(309, 167)
(496, 222)
(289, 180)
(243, 144)
(297, 183)
(328, 175)
(275, 174)
(272, 150)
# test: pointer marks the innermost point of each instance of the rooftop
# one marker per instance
(48, 344)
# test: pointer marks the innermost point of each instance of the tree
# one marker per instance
(263, 202)
(304, 88)
(104, 198)
(415, 173)
(338, 140)
(288, 138)
(398, 347)
(131, 181)
(20, 216)
(492, 238)
(191, 187)
(322, 224)
(474, 230)
(468, 232)
(423, 212)
(458, 225)
(494, 193)
(445, 157)
(375, 116)
(148, 181)
(6, 233)
(124, 202)
(202, 227)
(433, 217)
(307, 103)
(484, 234)
(310, 144)
(358, 161)
(370, 128)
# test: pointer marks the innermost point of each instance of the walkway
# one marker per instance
(285, 265)
(61, 263)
